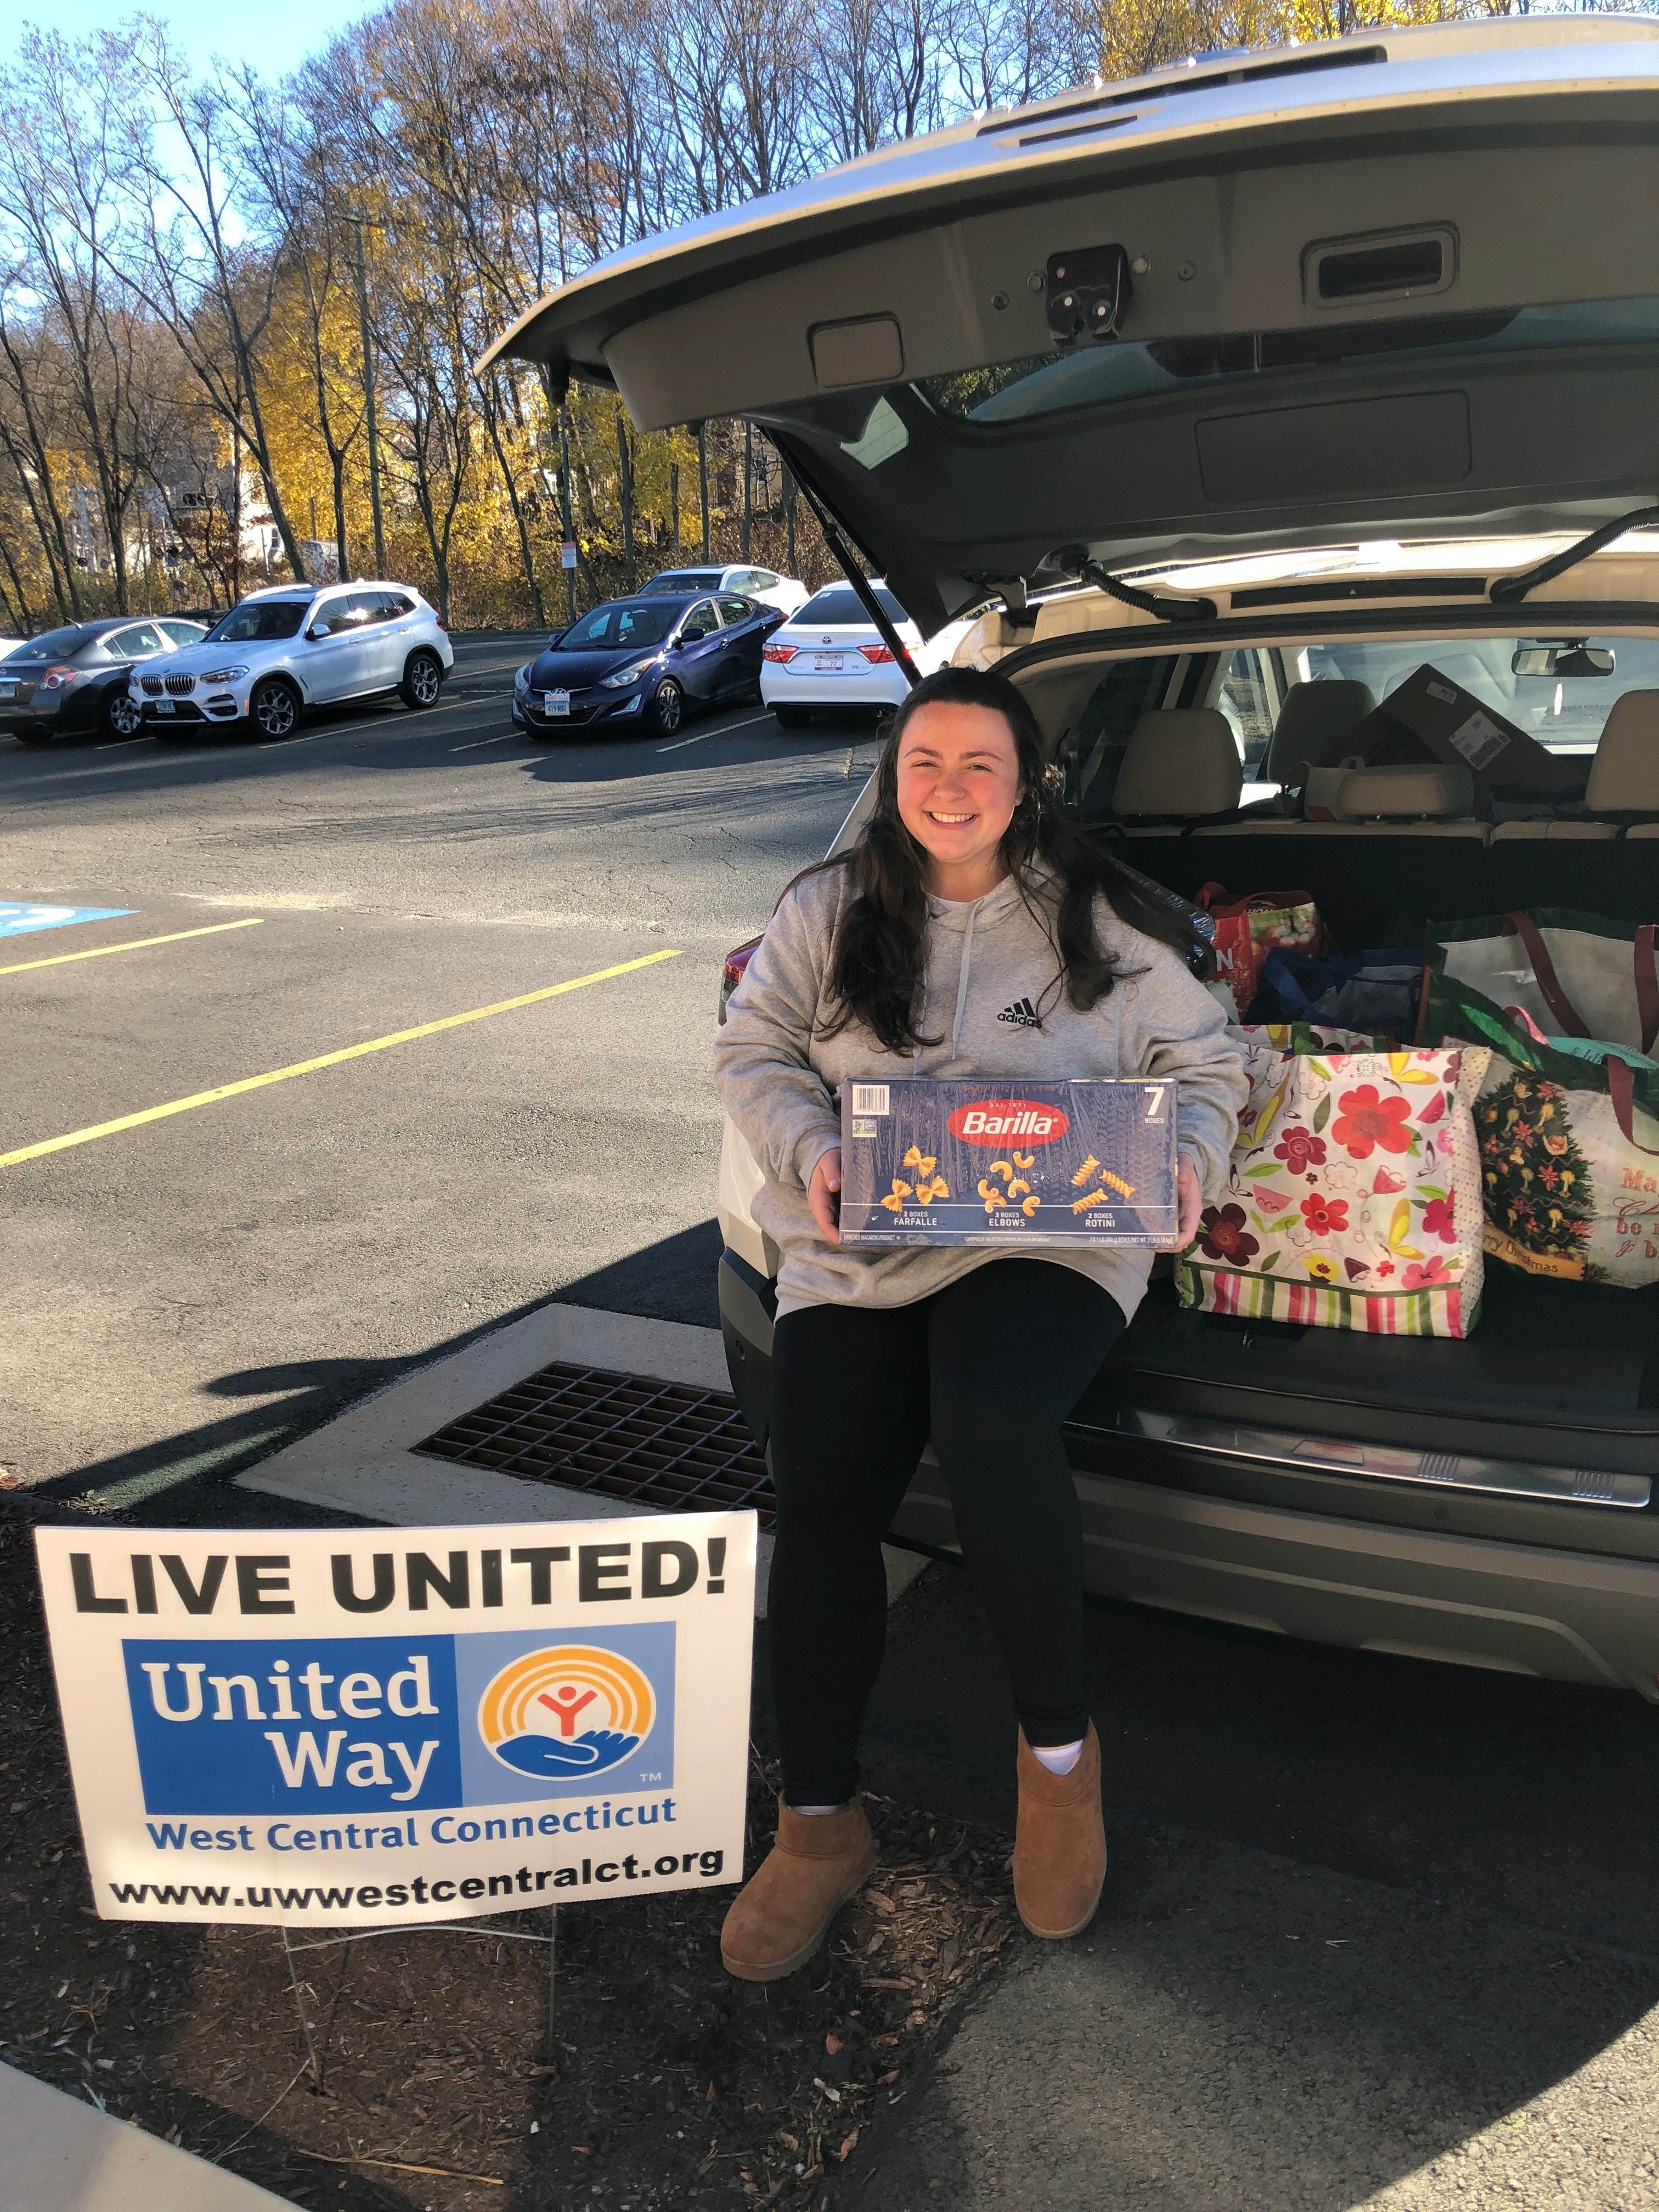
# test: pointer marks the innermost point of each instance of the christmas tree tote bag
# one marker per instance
(1569, 1147)
(1353, 1198)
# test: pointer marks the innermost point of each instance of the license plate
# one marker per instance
(826, 664)
(555, 703)
(165, 706)
(8, 691)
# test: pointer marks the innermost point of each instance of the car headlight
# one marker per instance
(631, 674)
(521, 680)
(222, 676)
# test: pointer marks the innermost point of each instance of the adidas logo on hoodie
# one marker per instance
(1023, 1014)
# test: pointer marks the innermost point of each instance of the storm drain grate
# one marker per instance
(668, 1445)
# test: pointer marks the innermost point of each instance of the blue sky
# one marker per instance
(272, 37)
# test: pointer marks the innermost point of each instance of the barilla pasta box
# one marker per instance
(999, 1162)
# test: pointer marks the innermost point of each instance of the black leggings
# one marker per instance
(989, 1367)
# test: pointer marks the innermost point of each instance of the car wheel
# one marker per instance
(119, 714)
(274, 709)
(667, 709)
(790, 718)
(423, 678)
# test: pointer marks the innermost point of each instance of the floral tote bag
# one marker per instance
(1354, 1199)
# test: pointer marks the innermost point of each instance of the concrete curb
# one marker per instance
(364, 1462)
(64, 2156)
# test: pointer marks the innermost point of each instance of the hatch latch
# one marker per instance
(1089, 293)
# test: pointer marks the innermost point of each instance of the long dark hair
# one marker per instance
(876, 962)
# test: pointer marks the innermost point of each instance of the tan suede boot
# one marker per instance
(782, 1913)
(1060, 1844)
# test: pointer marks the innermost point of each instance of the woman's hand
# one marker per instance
(1189, 1199)
(823, 1196)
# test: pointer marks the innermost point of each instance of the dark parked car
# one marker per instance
(644, 661)
(74, 679)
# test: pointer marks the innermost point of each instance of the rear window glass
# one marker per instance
(1046, 384)
(839, 603)
(686, 580)
(617, 628)
(261, 620)
(50, 645)
(1566, 709)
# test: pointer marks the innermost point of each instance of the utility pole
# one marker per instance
(702, 481)
(564, 503)
(370, 421)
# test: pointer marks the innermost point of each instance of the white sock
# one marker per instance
(810, 1811)
(1058, 1758)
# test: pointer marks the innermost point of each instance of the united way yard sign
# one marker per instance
(372, 1727)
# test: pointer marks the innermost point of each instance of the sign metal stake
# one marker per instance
(299, 2005)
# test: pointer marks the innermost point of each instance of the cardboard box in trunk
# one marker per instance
(1002, 1161)
(1430, 716)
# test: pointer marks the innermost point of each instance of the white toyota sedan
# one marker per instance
(831, 654)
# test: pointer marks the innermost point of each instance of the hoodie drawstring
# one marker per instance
(962, 983)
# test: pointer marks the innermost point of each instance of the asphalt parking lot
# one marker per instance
(189, 1287)
(1380, 1934)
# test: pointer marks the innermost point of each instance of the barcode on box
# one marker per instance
(870, 1098)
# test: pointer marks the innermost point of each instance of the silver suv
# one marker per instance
(294, 646)
(1313, 344)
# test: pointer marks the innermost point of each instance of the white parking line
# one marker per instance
(724, 731)
(499, 737)
(137, 738)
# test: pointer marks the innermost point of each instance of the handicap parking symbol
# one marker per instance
(19, 920)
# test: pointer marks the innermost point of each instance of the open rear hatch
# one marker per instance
(1388, 287)
(1381, 287)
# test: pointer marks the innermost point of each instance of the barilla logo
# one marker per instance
(1001, 1120)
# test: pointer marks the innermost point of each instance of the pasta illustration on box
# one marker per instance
(1004, 1162)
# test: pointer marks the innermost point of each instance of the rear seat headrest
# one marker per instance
(1181, 760)
(1408, 792)
(1313, 728)
(1624, 778)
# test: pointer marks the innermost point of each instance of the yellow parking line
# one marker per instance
(133, 944)
(325, 1060)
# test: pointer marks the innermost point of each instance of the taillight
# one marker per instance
(875, 652)
(779, 653)
(55, 679)
(731, 975)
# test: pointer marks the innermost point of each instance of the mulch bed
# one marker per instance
(662, 2081)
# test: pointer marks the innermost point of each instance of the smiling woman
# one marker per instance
(967, 895)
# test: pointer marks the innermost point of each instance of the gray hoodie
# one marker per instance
(989, 963)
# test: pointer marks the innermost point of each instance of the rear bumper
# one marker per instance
(1566, 1616)
(878, 685)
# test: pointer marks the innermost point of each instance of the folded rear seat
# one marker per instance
(1405, 845)
(1600, 861)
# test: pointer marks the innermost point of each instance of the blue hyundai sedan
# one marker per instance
(645, 661)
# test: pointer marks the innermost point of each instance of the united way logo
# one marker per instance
(566, 1711)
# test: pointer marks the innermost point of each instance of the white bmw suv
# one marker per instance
(297, 646)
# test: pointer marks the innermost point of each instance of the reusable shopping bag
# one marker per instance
(1247, 929)
(1378, 990)
(1353, 1196)
(1304, 1036)
(1568, 1137)
(1576, 974)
